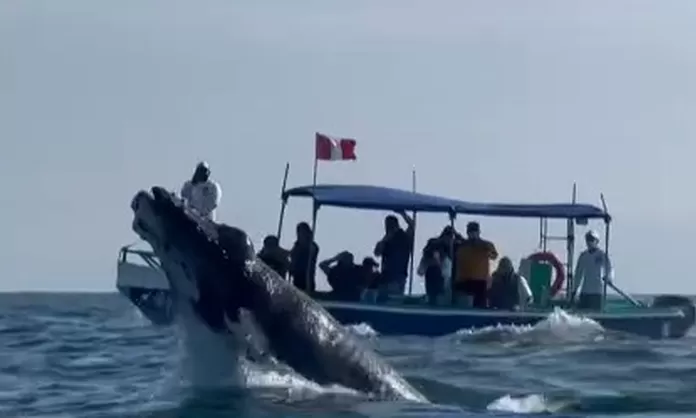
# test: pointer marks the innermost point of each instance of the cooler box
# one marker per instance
(540, 274)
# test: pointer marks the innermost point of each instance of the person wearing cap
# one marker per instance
(472, 267)
(344, 276)
(201, 193)
(591, 271)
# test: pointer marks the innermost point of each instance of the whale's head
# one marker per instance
(205, 262)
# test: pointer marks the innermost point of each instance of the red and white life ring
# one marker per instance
(557, 265)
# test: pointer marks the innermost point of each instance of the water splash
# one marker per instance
(558, 326)
(530, 404)
(207, 359)
(363, 330)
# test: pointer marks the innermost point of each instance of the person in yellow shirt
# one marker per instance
(472, 266)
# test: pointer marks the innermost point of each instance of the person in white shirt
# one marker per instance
(201, 193)
(592, 270)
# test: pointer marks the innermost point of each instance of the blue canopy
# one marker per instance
(386, 198)
(373, 197)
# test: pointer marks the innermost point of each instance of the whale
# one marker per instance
(213, 270)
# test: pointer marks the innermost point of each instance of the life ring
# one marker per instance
(557, 265)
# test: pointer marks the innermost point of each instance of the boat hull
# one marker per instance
(657, 322)
(155, 304)
(433, 322)
(147, 288)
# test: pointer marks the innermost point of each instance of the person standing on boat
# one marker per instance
(371, 280)
(201, 193)
(450, 240)
(395, 249)
(592, 270)
(303, 259)
(275, 256)
(435, 266)
(472, 266)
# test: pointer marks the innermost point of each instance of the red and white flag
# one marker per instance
(329, 148)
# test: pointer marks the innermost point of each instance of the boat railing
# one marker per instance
(139, 269)
(148, 257)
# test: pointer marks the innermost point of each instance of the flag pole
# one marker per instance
(314, 171)
(413, 241)
(314, 212)
(283, 201)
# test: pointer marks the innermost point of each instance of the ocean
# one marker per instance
(93, 355)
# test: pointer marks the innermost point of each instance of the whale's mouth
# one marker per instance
(160, 218)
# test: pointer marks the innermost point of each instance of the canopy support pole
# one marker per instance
(607, 234)
(283, 200)
(413, 239)
(312, 258)
(453, 217)
(607, 228)
(315, 209)
(570, 249)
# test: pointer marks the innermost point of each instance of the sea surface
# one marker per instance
(93, 355)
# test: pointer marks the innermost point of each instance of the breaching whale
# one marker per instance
(213, 268)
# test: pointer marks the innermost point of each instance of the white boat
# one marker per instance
(140, 278)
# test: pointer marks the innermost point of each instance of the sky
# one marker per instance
(501, 101)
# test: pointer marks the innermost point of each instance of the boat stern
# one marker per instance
(680, 326)
(145, 285)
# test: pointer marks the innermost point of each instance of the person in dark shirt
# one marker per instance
(509, 290)
(395, 249)
(344, 276)
(371, 279)
(370, 271)
(431, 268)
(303, 259)
(274, 255)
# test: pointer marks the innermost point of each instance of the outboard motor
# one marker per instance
(686, 305)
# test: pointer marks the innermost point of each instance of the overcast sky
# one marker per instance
(493, 101)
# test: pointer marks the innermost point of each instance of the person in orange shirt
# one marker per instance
(473, 266)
